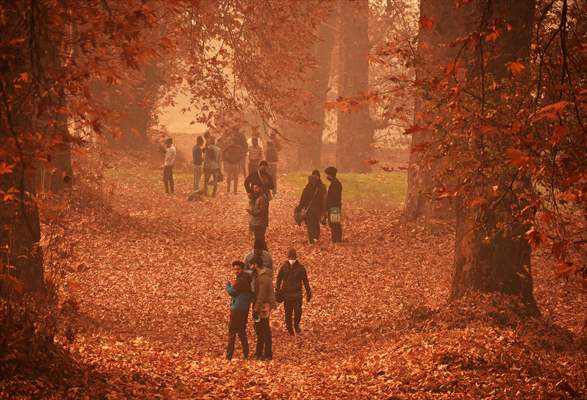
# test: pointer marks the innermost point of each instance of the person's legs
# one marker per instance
(206, 180)
(214, 175)
(288, 308)
(166, 179)
(298, 314)
(268, 350)
(336, 232)
(313, 225)
(260, 339)
(171, 179)
(259, 232)
(232, 330)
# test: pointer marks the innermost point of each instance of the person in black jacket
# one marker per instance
(312, 201)
(334, 204)
(290, 278)
(198, 160)
(262, 178)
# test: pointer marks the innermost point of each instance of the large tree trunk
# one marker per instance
(310, 137)
(354, 133)
(492, 253)
(441, 24)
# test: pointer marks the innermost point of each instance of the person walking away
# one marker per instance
(169, 162)
(232, 156)
(255, 155)
(334, 204)
(211, 166)
(271, 155)
(239, 289)
(312, 202)
(262, 178)
(290, 278)
(197, 161)
(241, 140)
(263, 305)
(258, 213)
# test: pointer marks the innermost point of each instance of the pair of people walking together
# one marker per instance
(255, 286)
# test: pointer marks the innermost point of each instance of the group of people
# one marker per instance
(251, 287)
(230, 153)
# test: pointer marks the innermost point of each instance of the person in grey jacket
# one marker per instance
(263, 305)
(258, 213)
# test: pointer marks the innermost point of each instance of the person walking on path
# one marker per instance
(239, 289)
(334, 205)
(198, 160)
(212, 158)
(312, 204)
(169, 162)
(255, 154)
(262, 178)
(232, 156)
(272, 157)
(258, 213)
(263, 305)
(290, 278)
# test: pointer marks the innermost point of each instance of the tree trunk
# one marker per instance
(492, 253)
(441, 24)
(310, 137)
(354, 129)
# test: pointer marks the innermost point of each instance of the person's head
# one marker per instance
(263, 166)
(207, 135)
(238, 266)
(199, 140)
(168, 142)
(256, 188)
(316, 173)
(292, 254)
(256, 263)
(330, 172)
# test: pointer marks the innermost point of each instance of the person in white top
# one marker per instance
(168, 164)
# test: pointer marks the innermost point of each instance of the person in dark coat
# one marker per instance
(313, 201)
(239, 289)
(290, 278)
(258, 213)
(262, 178)
(334, 204)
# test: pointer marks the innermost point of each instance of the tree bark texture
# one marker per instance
(354, 133)
(310, 136)
(492, 253)
(442, 22)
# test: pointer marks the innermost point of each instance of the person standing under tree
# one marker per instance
(258, 213)
(255, 155)
(239, 289)
(169, 162)
(263, 305)
(232, 156)
(212, 158)
(290, 278)
(334, 205)
(198, 160)
(312, 204)
(271, 155)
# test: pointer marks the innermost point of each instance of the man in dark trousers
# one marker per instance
(312, 203)
(263, 305)
(334, 204)
(169, 162)
(198, 160)
(258, 213)
(241, 295)
(290, 278)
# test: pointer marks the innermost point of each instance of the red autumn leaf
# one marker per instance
(426, 23)
(516, 68)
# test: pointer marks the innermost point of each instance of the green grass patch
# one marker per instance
(376, 189)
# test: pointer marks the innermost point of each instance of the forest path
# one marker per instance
(149, 273)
